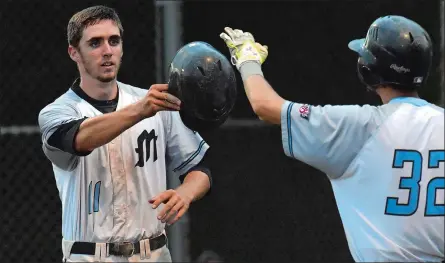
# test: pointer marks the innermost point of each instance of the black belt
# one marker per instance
(125, 249)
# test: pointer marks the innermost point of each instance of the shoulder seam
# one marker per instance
(373, 134)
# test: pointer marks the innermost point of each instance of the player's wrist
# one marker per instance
(186, 195)
(136, 111)
(249, 68)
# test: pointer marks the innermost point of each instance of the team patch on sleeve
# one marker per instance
(304, 111)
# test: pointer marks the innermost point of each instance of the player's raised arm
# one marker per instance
(97, 131)
(248, 57)
(327, 138)
(67, 134)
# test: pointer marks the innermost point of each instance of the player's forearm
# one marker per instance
(196, 184)
(265, 102)
(97, 131)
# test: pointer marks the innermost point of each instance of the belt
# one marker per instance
(125, 249)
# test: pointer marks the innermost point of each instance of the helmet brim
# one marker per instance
(357, 45)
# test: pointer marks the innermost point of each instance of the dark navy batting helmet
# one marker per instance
(204, 80)
(396, 52)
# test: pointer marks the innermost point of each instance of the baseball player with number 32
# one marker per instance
(111, 146)
(385, 163)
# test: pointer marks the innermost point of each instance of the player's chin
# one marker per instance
(107, 77)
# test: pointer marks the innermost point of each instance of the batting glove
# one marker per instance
(243, 48)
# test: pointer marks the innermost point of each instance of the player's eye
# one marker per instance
(94, 43)
(114, 41)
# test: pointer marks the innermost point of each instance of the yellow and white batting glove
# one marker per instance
(243, 48)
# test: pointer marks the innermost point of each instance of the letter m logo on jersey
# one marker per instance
(145, 139)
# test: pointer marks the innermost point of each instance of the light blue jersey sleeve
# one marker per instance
(185, 148)
(50, 118)
(326, 137)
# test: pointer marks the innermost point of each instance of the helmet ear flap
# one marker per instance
(366, 75)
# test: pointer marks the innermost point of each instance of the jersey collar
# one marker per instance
(411, 100)
(79, 91)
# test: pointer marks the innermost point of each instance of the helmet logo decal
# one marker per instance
(400, 69)
(418, 80)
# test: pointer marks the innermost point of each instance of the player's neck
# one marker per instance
(98, 90)
(387, 94)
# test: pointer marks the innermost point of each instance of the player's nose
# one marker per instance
(106, 48)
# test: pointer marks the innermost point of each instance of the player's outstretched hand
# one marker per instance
(242, 47)
(158, 99)
(174, 208)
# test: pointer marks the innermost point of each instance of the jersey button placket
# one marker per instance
(123, 181)
(120, 178)
(118, 183)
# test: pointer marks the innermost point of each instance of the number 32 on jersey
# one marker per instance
(412, 183)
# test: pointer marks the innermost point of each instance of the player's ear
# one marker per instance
(122, 48)
(74, 53)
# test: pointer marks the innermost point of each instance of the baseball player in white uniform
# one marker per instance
(111, 146)
(385, 163)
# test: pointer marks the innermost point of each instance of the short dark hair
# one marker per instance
(87, 17)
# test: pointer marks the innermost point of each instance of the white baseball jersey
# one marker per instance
(105, 194)
(386, 167)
